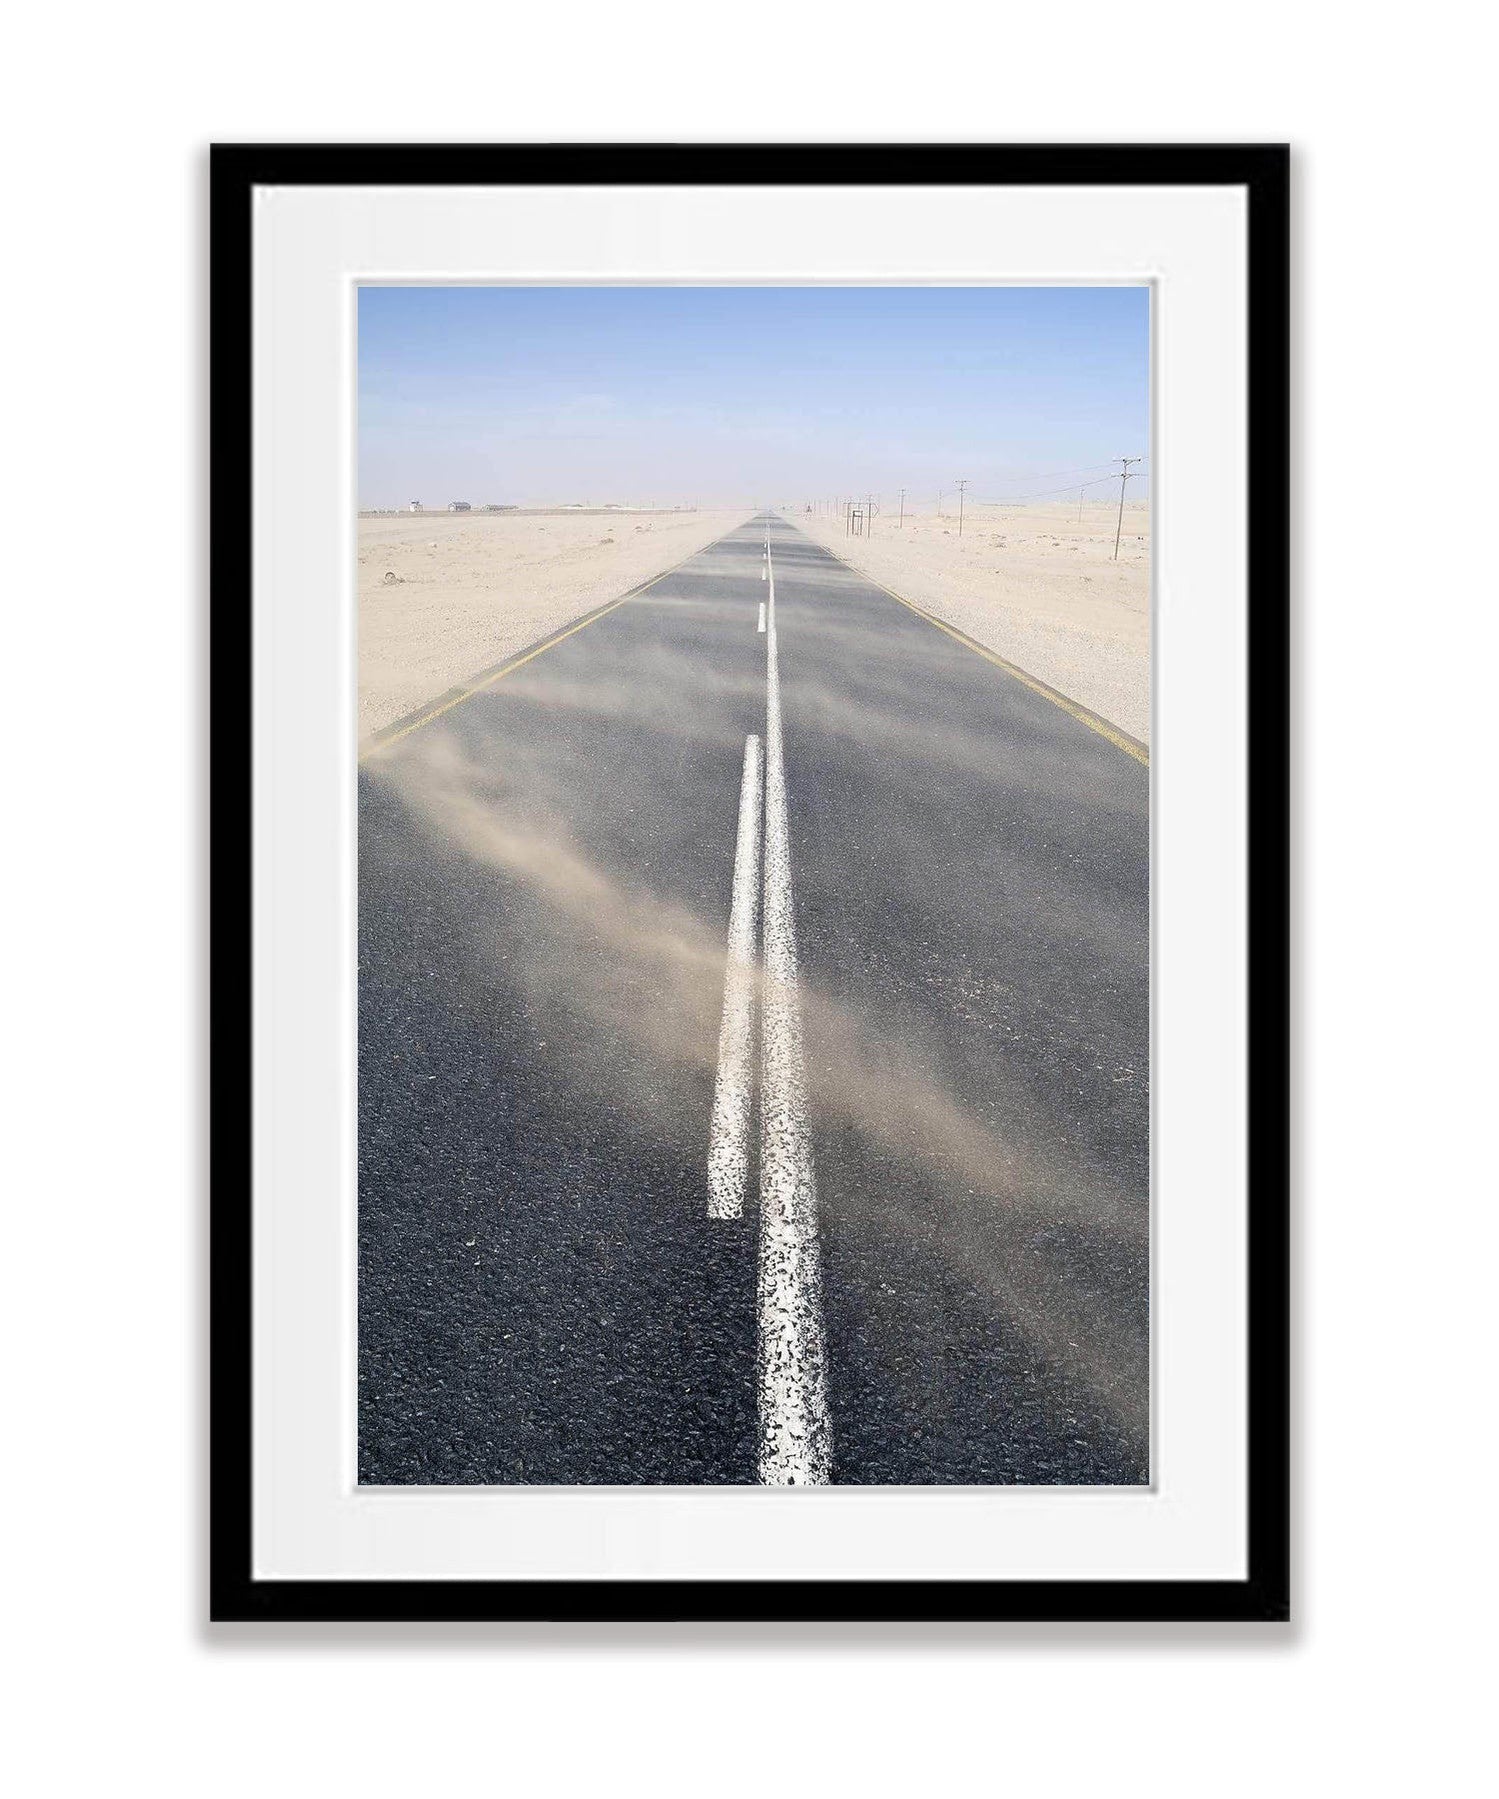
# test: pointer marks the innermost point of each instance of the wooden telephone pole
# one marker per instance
(961, 486)
(1123, 477)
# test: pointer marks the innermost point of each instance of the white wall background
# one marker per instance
(1377, 1688)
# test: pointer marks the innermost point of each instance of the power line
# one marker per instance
(1055, 474)
(1050, 492)
(1072, 486)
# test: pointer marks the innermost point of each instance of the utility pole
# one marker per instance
(869, 515)
(1123, 477)
(961, 486)
(902, 525)
(1080, 492)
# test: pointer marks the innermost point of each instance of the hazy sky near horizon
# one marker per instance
(704, 395)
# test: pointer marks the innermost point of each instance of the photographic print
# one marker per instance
(754, 897)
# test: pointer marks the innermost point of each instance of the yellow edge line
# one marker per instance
(499, 674)
(1120, 739)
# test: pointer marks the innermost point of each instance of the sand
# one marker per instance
(470, 589)
(1031, 583)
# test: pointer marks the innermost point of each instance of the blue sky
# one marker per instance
(737, 395)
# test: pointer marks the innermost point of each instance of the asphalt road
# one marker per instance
(546, 876)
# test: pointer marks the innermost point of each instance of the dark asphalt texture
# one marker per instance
(544, 895)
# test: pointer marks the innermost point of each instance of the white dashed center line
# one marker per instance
(795, 1437)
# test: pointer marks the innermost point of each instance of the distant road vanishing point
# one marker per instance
(754, 1056)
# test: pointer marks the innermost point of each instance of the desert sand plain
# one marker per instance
(442, 595)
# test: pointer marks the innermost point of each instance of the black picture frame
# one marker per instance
(1262, 171)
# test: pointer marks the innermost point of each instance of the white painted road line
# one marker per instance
(728, 1137)
(763, 572)
(762, 615)
(795, 1447)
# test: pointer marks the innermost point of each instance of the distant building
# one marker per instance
(509, 508)
(416, 505)
(459, 506)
